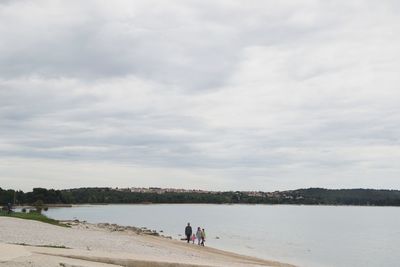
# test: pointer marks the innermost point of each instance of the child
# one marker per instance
(193, 238)
(198, 235)
(203, 237)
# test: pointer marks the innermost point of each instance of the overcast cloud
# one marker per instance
(224, 95)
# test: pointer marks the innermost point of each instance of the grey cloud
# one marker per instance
(155, 45)
(268, 94)
(192, 45)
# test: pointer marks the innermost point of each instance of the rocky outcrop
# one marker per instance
(113, 228)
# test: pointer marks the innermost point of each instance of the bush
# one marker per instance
(39, 205)
(23, 210)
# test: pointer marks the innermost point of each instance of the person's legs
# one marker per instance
(188, 238)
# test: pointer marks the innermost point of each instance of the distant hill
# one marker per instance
(310, 196)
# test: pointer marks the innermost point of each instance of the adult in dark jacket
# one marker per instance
(188, 232)
(9, 208)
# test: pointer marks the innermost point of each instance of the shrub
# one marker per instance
(39, 205)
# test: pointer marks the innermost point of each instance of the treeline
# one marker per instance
(363, 197)
(311, 196)
(48, 196)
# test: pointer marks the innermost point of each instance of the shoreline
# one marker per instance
(99, 244)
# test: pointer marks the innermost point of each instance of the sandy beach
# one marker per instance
(35, 244)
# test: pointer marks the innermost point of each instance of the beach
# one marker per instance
(31, 243)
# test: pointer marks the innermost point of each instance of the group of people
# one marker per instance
(200, 235)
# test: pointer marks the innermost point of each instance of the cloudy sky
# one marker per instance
(222, 95)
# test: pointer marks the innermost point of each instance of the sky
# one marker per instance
(215, 95)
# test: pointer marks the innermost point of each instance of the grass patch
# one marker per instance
(34, 216)
(41, 246)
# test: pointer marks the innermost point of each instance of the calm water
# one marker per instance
(302, 235)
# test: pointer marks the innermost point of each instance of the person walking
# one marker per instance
(193, 238)
(9, 208)
(203, 237)
(188, 232)
(198, 235)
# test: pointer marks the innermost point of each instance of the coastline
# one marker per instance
(83, 244)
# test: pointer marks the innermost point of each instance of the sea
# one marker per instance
(310, 236)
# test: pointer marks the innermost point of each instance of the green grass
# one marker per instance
(34, 216)
(41, 246)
